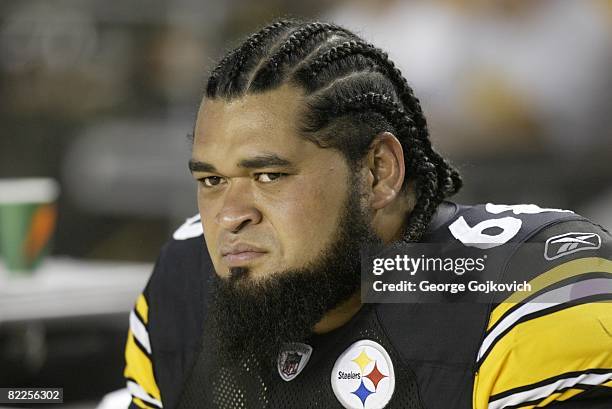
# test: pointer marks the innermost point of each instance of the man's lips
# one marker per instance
(240, 254)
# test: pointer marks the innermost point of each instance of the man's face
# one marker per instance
(283, 222)
(270, 200)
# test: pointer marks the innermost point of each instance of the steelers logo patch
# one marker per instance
(363, 376)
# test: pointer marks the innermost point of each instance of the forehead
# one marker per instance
(249, 124)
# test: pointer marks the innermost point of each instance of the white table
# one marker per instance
(68, 288)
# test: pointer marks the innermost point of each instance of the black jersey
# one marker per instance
(509, 354)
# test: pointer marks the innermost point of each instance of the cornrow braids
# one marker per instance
(353, 92)
(251, 45)
(449, 178)
(294, 46)
(417, 159)
(237, 59)
(213, 80)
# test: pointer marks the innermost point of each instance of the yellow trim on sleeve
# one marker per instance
(141, 403)
(564, 341)
(142, 308)
(566, 270)
(139, 368)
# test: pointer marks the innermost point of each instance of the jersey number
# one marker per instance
(474, 236)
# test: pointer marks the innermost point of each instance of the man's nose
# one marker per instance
(238, 209)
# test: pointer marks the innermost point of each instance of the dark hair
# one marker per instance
(353, 93)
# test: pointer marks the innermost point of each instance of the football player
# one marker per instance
(309, 144)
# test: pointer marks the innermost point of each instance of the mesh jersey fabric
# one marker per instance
(213, 385)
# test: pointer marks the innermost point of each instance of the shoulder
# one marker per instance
(509, 348)
(177, 285)
(554, 341)
(168, 317)
(178, 298)
(182, 262)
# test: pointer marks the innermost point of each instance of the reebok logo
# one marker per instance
(568, 243)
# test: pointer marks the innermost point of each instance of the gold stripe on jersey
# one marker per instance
(570, 393)
(566, 270)
(568, 340)
(139, 367)
(141, 404)
(142, 308)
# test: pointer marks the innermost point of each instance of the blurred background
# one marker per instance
(100, 95)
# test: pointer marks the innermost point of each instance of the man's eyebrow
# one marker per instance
(197, 166)
(264, 161)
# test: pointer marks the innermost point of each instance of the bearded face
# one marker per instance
(282, 218)
(257, 317)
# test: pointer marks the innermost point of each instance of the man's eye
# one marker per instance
(268, 177)
(211, 181)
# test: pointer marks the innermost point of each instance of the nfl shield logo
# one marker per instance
(292, 359)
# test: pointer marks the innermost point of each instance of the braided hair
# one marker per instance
(353, 93)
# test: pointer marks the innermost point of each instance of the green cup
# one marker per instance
(28, 215)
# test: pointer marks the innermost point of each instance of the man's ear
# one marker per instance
(386, 170)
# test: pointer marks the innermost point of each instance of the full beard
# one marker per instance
(255, 319)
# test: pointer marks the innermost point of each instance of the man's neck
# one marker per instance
(340, 315)
(389, 227)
